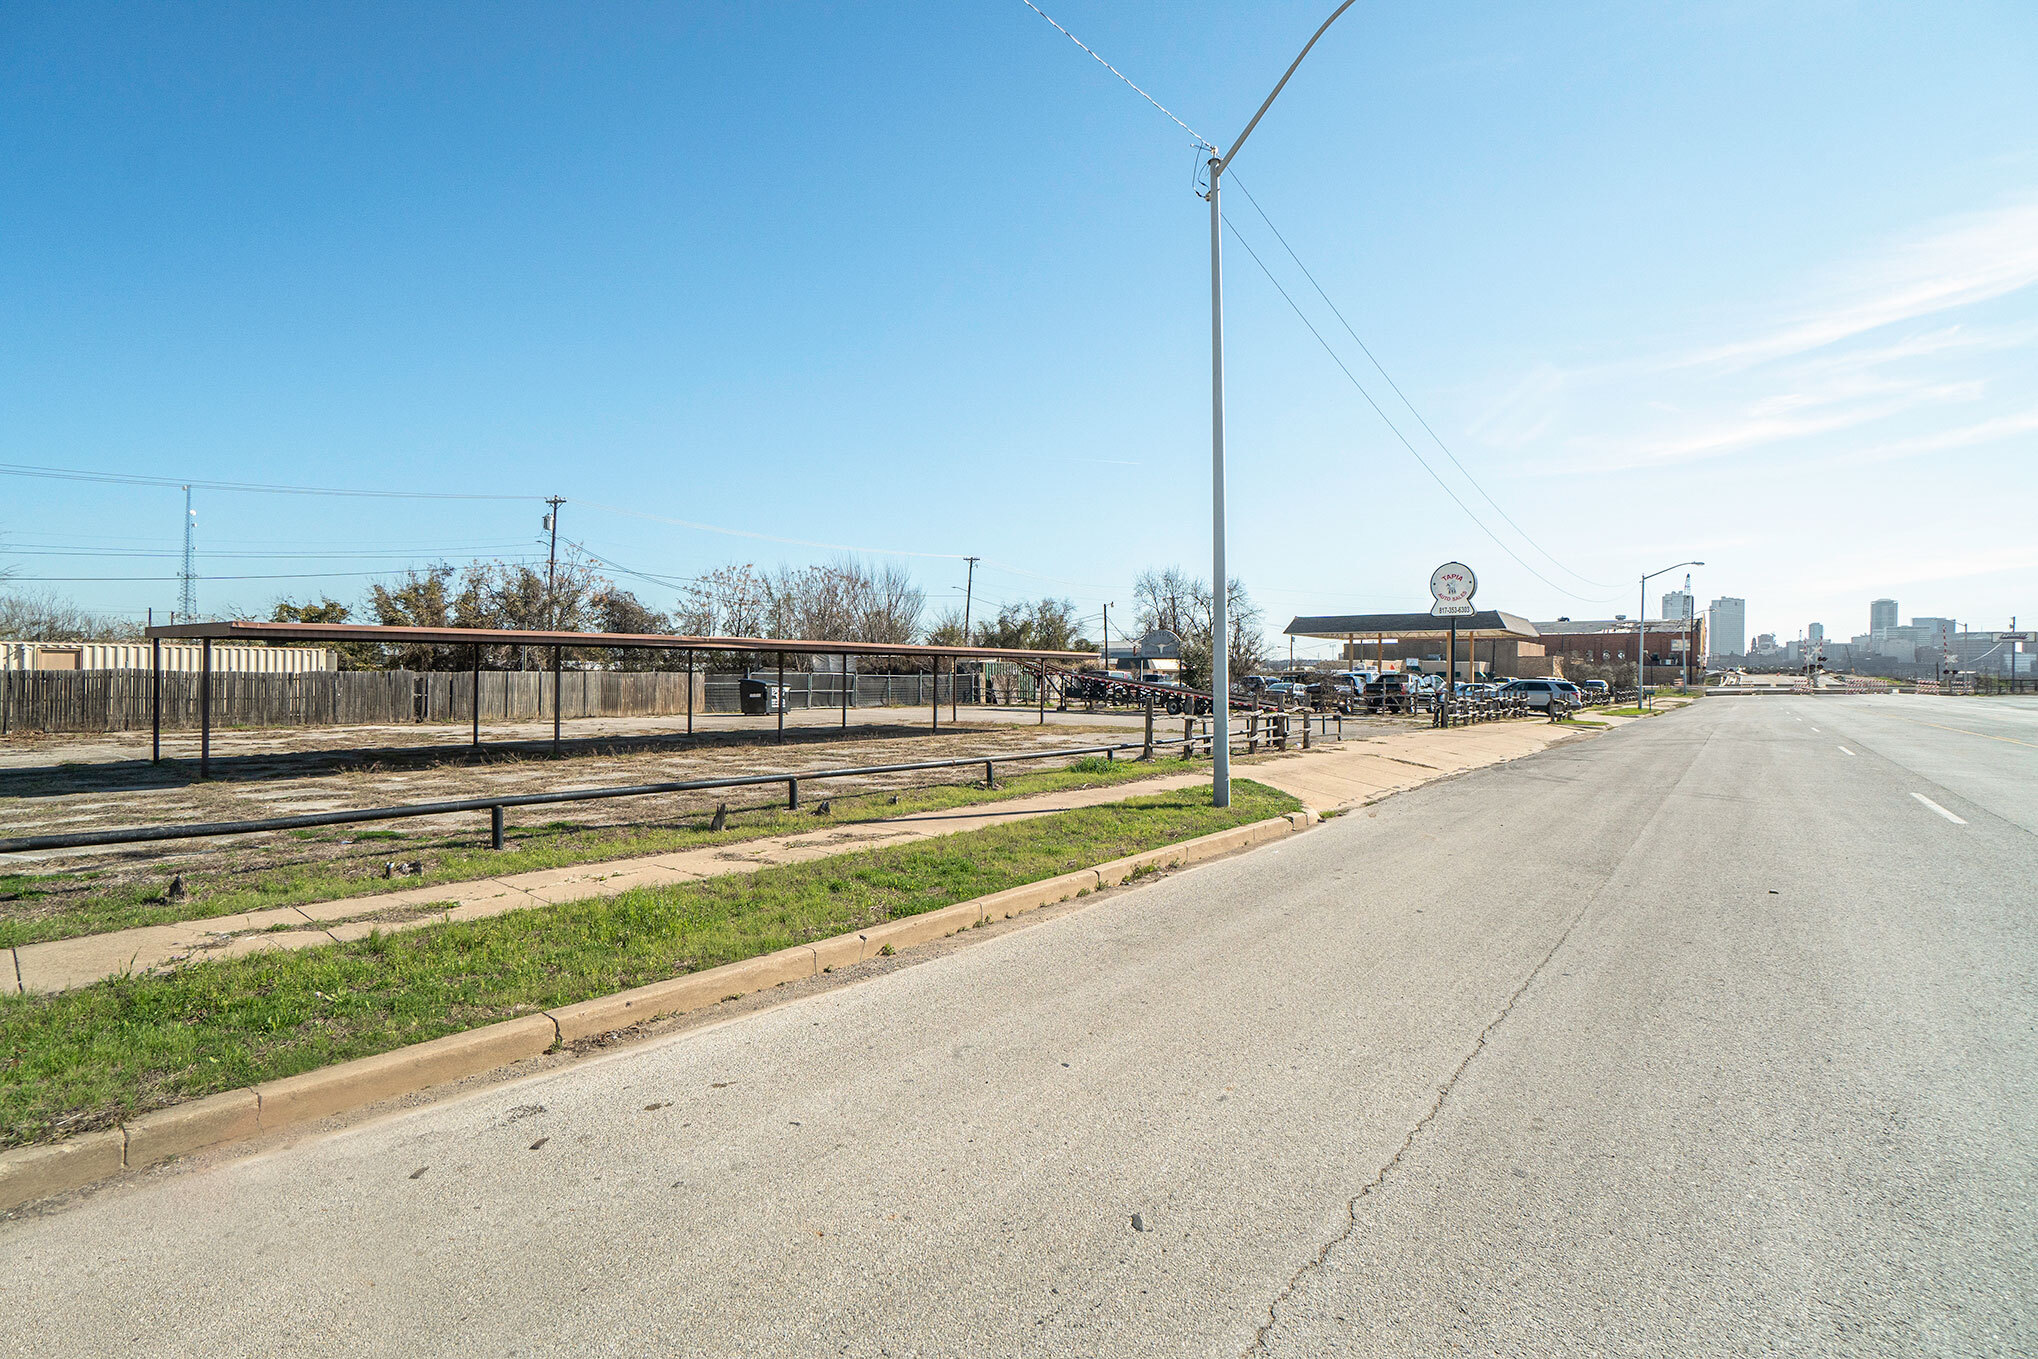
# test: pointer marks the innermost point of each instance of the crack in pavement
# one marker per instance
(1265, 1329)
(1259, 1341)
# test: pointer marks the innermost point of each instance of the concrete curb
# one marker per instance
(30, 1173)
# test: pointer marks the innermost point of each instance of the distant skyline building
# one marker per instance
(1816, 632)
(1726, 626)
(1881, 616)
(1936, 633)
(1679, 606)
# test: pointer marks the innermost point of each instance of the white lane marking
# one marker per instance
(1814, 728)
(1845, 751)
(1937, 808)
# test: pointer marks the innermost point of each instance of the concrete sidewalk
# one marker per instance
(1328, 779)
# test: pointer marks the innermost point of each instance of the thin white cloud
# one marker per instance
(1976, 435)
(1972, 259)
(1778, 418)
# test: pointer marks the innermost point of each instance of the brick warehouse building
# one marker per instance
(1575, 646)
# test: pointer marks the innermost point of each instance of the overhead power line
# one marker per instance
(768, 537)
(97, 552)
(1483, 526)
(1200, 139)
(1389, 379)
(286, 575)
(13, 469)
(1395, 429)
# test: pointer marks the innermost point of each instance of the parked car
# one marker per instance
(1538, 693)
(1576, 695)
(1597, 689)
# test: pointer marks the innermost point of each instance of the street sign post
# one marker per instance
(1451, 586)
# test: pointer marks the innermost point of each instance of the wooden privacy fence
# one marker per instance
(118, 700)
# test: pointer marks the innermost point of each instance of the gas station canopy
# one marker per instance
(1485, 625)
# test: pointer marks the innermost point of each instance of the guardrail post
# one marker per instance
(990, 779)
(495, 827)
(1305, 727)
(1147, 754)
(792, 794)
(1188, 738)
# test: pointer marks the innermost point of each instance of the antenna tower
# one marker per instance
(187, 587)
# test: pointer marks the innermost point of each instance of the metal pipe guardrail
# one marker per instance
(495, 806)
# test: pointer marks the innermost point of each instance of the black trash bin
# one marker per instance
(761, 697)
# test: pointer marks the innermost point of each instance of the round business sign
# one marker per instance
(1453, 583)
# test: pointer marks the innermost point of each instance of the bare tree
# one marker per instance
(45, 617)
(730, 601)
(1181, 603)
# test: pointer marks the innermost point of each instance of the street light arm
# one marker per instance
(1225, 159)
(1667, 570)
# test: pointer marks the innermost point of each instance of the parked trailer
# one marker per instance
(1083, 686)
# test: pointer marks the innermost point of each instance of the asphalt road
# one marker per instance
(1709, 1036)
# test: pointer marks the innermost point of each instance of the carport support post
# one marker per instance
(845, 693)
(689, 693)
(937, 693)
(477, 695)
(558, 653)
(1042, 694)
(205, 708)
(155, 700)
(778, 699)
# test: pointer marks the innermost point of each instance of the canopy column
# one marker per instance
(205, 709)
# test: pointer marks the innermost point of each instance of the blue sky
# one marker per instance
(1750, 283)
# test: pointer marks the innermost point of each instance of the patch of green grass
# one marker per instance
(87, 1058)
(1631, 712)
(50, 906)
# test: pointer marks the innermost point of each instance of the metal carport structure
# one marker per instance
(244, 631)
(1481, 625)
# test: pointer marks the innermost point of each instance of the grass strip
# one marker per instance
(87, 1058)
(35, 908)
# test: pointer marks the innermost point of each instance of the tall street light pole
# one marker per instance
(1220, 586)
(1641, 629)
